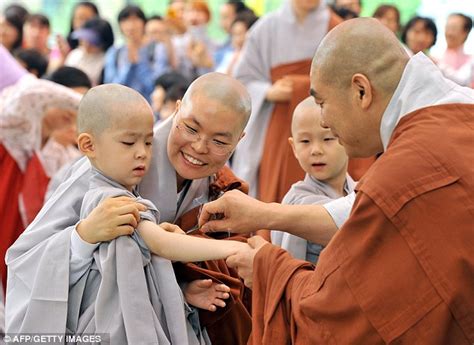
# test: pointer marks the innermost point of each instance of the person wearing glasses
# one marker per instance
(190, 150)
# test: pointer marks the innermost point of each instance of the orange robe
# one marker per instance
(401, 269)
(232, 324)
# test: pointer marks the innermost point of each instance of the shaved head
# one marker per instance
(354, 75)
(360, 45)
(224, 89)
(102, 105)
(305, 106)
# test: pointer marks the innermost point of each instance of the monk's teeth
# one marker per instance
(192, 160)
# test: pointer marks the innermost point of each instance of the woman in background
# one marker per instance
(419, 35)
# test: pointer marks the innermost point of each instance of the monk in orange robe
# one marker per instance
(401, 269)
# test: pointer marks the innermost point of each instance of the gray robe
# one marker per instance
(307, 192)
(38, 262)
(126, 293)
(275, 39)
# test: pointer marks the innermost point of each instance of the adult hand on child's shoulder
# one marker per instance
(112, 218)
(206, 294)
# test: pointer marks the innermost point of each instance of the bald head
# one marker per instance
(360, 45)
(305, 107)
(224, 89)
(102, 105)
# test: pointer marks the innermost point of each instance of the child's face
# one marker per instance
(316, 148)
(123, 152)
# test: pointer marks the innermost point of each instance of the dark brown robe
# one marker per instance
(231, 324)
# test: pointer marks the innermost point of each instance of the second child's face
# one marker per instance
(123, 152)
(316, 148)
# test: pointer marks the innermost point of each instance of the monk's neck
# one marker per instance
(181, 183)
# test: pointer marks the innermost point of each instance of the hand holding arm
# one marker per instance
(112, 218)
(179, 247)
(242, 261)
(240, 213)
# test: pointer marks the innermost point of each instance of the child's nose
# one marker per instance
(141, 152)
(316, 149)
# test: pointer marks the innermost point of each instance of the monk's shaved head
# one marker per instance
(361, 45)
(305, 106)
(102, 105)
(224, 89)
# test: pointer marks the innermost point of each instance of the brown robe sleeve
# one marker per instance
(368, 288)
(231, 324)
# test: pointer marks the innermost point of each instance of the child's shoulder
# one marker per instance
(305, 192)
(96, 195)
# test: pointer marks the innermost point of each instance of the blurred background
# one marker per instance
(60, 11)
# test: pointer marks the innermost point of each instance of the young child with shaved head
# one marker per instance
(124, 291)
(118, 145)
(325, 161)
(187, 169)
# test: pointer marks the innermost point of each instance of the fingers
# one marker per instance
(222, 295)
(123, 230)
(126, 219)
(219, 303)
(231, 261)
(248, 283)
(216, 225)
(171, 228)
(203, 283)
(256, 242)
(222, 288)
(209, 209)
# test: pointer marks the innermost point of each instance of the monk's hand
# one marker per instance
(233, 212)
(112, 218)
(242, 261)
(206, 294)
(280, 91)
(172, 228)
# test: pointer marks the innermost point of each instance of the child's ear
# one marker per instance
(85, 143)
(292, 144)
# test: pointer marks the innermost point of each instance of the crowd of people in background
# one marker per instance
(161, 55)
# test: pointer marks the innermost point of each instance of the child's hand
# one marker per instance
(206, 294)
(171, 228)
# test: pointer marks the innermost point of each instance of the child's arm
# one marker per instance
(180, 247)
